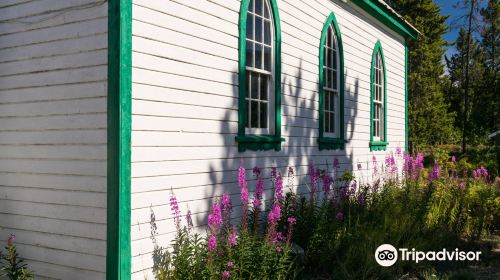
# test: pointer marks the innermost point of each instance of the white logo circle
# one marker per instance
(386, 255)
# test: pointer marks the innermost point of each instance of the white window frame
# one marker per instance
(378, 99)
(271, 92)
(336, 90)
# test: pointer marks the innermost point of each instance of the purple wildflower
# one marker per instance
(273, 173)
(375, 165)
(278, 190)
(226, 274)
(275, 214)
(453, 159)
(242, 181)
(336, 164)
(327, 182)
(339, 216)
(436, 172)
(398, 151)
(212, 243)
(226, 201)
(419, 161)
(229, 264)
(11, 239)
(292, 220)
(215, 219)
(174, 207)
(232, 238)
(462, 185)
(189, 220)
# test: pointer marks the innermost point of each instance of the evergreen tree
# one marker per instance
(429, 120)
(487, 115)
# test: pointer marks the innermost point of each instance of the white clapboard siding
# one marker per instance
(185, 104)
(53, 88)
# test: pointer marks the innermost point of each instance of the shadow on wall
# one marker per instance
(298, 116)
(300, 129)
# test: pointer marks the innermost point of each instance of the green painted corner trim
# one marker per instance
(251, 144)
(387, 17)
(324, 143)
(375, 144)
(406, 98)
(118, 256)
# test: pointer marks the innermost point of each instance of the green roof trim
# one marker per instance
(388, 17)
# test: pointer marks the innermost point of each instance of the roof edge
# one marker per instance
(385, 14)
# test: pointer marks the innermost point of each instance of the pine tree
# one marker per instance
(429, 120)
(487, 114)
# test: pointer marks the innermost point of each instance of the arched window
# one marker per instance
(259, 76)
(331, 87)
(378, 128)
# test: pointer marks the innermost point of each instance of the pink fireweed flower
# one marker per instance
(226, 201)
(292, 220)
(462, 185)
(453, 159)
(419, 161)
(174, 208)
(278, 190)
(339, 216)
(398, 151)
(232, 238)
(312, 172)
(436, 172)
(273, 174)
(215, 219)
(226, 274)
(11, 239)
(229, 264)
(275, 214)
(375, 165)
(327, 183)
(189, 220)
(242, 181)
(336, 163)
(227, 207)
(212, 243)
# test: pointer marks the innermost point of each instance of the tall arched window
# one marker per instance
(259, 76)
(378, 127)
(331, 87)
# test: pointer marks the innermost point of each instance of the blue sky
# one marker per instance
(454, 16)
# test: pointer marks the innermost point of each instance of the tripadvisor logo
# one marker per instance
(387, 255)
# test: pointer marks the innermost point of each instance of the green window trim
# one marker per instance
(330, 143)
(118, 253)
(258, 142)
(378, 145)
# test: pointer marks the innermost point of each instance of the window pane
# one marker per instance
(254, 114)
(250, 6)
(258, 29)
(332, 102)
(266, 10)
(258, 56)
(247, 83)
(258, 7)
(327, 78)
(264, 80)
(267, 58)
(247, 115)
(334, 83)
(263, 115)
(267, 32)
(250, 27)
(328, 58)
(334, 58)
(327, 101)
(327, 122)
(255, 86)
(249, 54)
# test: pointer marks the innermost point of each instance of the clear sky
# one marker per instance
(447, 8)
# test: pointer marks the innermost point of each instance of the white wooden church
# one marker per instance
(108, 106)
